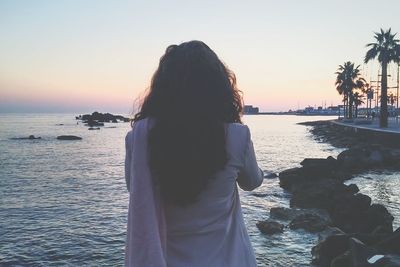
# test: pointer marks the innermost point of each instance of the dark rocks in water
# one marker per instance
(94, 128)
(31, 137)
(270, 175)
(349, 212)
(320, 194)
(391, 244)
(101, 118)
(310, 222)
(340, 249)
(69, 137)
(363, 255)
(360, 253)
(354, 214)
(270, 227)
(59, 124)
(312, 170)
(333, 246)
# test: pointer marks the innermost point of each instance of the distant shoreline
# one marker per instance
(289, 113)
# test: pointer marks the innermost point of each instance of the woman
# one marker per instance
(186, 153)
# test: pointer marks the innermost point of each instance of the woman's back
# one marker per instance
(211, 231)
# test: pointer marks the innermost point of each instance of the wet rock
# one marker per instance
(329, 231)
(343, 260)
(31, 137)
(270, 227)
(320, 195)
(69, 137)
(360, 253)
(101, 117)
(333, 246)
(310, 222)
(390, 244)
(349, 212)
(378, 219)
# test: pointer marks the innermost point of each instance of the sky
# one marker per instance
(86, 55)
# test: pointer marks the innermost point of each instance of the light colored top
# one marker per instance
(211, 232)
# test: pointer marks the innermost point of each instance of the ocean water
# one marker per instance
(64, 203)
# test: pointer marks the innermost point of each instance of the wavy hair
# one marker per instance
(191, 97)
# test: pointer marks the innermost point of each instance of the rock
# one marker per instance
(333, 246)
(310, 222)
(69, 137)
(101, 117)
(349, 212)
(360, 253)
(321, 194)
(378, 216)
(313, 170)
(94, 128)
(329, 231)
(390, 244)
(31, 137)
(343, 260)
(375, 157)
(329, 162)
(270, 227)
(388, 261)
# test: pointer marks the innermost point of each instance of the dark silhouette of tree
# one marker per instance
(386, 49)
(347, 80)
(357, 101)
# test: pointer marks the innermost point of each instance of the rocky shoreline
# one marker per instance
(352, 230)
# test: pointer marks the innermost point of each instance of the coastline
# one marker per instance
(351, 228)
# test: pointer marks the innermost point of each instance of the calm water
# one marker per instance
(64, 203)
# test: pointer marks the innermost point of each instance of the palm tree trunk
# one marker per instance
(384, 109)
(356, 111)
(350, 106)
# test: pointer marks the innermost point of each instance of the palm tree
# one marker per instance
(387, 50)
(357, 101)
(348, 78)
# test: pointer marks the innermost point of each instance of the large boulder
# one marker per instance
(69, 137)
(333, 246)
(349, 212)
(314, 169)
(310, 222)
(390, 244)
(355, 214)
(320, 194)
(270, 227)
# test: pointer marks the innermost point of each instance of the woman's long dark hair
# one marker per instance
(192, 95)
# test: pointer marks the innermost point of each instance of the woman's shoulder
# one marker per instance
(138, 128)
(238, 131)
(237, 127)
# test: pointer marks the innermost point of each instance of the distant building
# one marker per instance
(249, 109)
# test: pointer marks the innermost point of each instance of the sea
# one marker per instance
(64, 203)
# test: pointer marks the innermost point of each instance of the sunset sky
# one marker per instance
(85, 55)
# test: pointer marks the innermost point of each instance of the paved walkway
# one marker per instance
(394, 126)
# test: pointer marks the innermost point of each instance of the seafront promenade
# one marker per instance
(372, 126)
